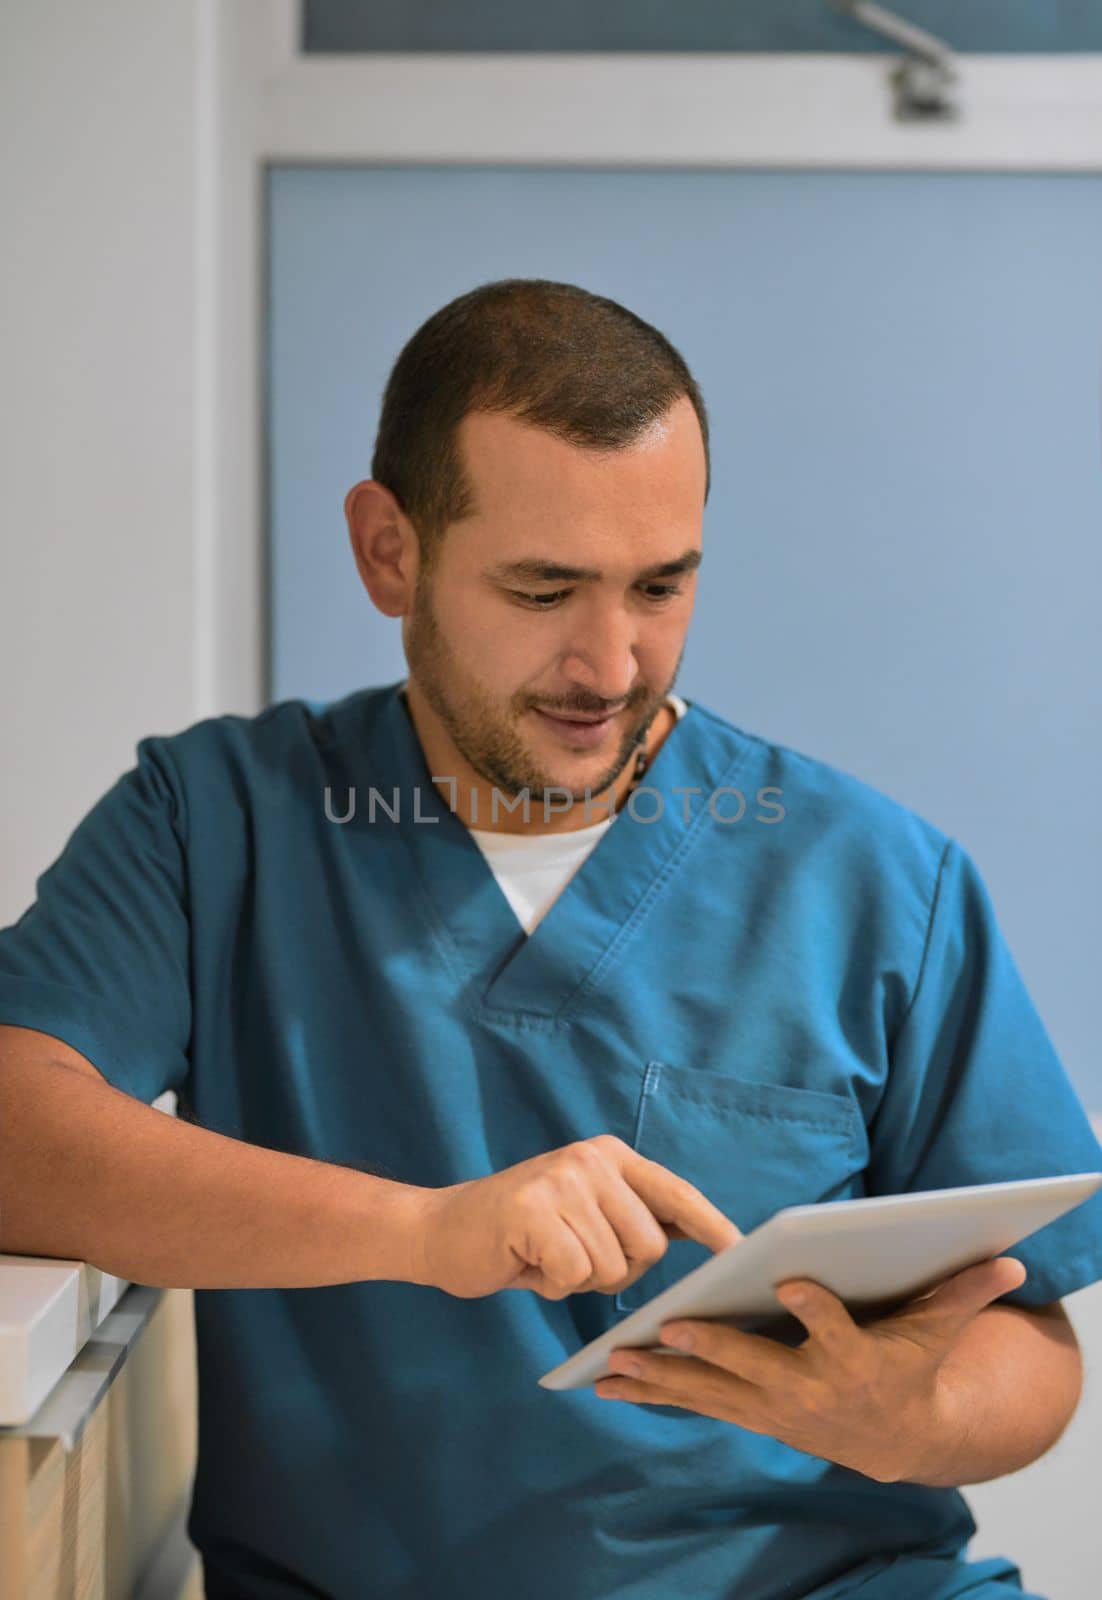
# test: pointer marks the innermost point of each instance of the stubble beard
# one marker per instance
(483, 732)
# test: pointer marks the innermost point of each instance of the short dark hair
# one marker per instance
(577, 364)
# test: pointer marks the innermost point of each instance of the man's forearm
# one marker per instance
(90, 1173)
(1008, 1390)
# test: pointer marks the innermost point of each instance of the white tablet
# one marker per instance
(874, 1253)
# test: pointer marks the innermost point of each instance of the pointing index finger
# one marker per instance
(683, 1211)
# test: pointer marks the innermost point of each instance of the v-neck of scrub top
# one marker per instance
(533, 869)
(540, 978)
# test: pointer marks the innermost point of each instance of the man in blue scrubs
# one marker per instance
(494, 1000)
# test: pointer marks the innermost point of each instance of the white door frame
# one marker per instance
(263, 101)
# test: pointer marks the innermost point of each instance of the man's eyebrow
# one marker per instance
(532, 570)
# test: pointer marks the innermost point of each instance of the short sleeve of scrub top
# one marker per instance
(101, 957)
(976, 1092)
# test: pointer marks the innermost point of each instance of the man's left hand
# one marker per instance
(867, 1397)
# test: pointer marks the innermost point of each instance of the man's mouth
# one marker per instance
(577, 727)
(580, 716)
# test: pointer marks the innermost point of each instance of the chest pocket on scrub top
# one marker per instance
(750, 1147)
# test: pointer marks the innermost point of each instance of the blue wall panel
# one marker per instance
(903, 555)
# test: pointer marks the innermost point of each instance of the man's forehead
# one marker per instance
(657, 479)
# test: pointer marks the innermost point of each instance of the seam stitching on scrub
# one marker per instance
(544, 1022)
(450, 953)
(849, 1127)
(650, 1084)
(159, 747)
(155, 748)
(845, 1126)
(931, 915)
(643, 908)
(846, 1120)
(522, 1021)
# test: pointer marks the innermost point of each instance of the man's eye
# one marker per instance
(540, 601)
(656, 593)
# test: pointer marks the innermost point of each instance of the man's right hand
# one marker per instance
(592, 1215)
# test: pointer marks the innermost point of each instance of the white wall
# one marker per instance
(126, 602)
(99, 330)
(129, 552)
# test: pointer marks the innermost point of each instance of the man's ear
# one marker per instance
(384, 543)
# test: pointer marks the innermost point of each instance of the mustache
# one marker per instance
(588, 707)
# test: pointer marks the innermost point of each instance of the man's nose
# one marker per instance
(602, 659)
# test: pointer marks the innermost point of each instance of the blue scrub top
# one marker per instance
(810, 1000)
